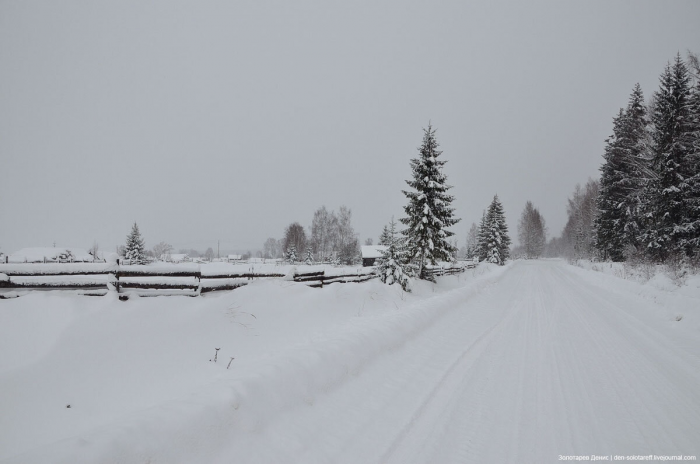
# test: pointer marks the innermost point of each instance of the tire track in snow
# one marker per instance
(545, 380)
(352, 412)
(442, 400)
(522, 372)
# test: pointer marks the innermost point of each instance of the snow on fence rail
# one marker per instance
(128, 280)
(320, 278)
(63, 269)
(211, 285)
(168, 279)
(157, 280)
(451, 269)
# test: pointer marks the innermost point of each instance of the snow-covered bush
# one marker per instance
(392, 266)
(291, 256)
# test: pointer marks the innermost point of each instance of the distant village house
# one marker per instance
(50, 255)
(370, 253)
(179, 258)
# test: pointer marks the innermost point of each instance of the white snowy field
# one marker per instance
(516, 364)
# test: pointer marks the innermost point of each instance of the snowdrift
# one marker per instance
(192, 425)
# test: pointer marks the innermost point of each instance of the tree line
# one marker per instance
(428, 215)
(331, 238)
(646, 204)
(424, 241)
(136, 252)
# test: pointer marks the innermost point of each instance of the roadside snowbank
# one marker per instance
(679, 299)
(138, 375)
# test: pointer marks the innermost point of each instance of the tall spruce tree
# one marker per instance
(635, 144)
(610, 223)
(624, 173)
(669, 195)
(428, 211)
(135, 251)
(482, 238)
(497, 239)
(692, 242)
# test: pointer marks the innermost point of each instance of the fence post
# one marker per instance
(116, 277)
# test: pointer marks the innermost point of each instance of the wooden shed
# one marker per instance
(370, 253)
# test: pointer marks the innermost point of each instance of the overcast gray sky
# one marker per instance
(228, 120)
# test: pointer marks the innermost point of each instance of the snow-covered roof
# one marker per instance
(234, 256)
(38, 254)
(108, 256)
(373, 251)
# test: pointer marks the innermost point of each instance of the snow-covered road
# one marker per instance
(540, 364)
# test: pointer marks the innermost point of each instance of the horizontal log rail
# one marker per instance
(53, 285)
(40, 269)
(158, 285)
(241, 275)
(158, 280)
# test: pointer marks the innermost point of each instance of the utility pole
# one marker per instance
(217, 249)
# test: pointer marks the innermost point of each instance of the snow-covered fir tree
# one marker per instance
(636, 140)
(291, 255)
(482, 238)
(691, 243)
(623, 176)
(497, 239)
(668, 197)
(393, 266)
(384, 237)
(309, 259)
(610, 223)
(135, 251)
(428, 211)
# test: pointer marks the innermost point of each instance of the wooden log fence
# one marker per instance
(451, 270)
(89, 279)
(318, 279)
(97, 279)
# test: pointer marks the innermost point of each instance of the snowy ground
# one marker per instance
(676, 292)
(517, 364)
